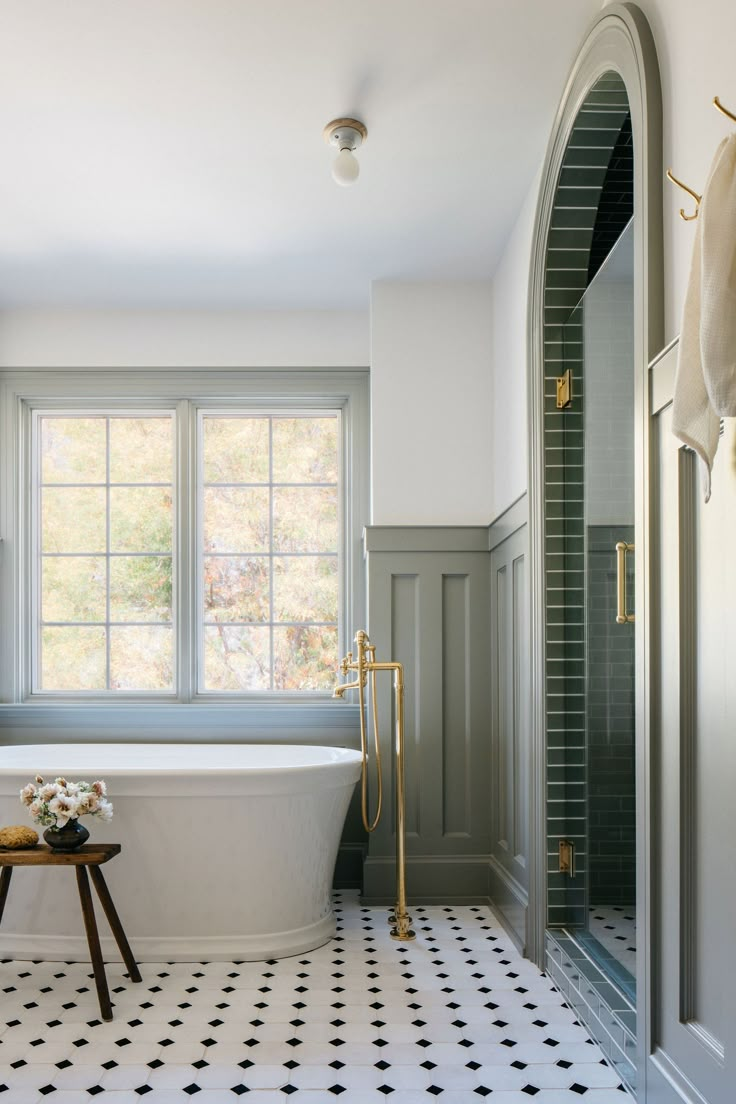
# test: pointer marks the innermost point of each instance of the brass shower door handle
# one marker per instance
(622, 617)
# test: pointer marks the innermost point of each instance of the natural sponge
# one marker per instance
(17, 837)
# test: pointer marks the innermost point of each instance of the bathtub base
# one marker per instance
(221, 948)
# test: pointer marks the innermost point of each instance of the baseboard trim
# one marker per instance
(441, 879)
(510, 901)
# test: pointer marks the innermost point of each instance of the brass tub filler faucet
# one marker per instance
(363, 665)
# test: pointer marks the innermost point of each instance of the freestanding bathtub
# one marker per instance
(228, 851)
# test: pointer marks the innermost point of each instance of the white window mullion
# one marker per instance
(185, 584)
(108, 631)
(29, 562)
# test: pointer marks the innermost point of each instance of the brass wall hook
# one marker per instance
(723, 110)
(690, 192)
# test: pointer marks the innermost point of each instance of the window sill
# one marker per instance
(321, 721)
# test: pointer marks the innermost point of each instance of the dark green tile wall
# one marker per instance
(585, 164)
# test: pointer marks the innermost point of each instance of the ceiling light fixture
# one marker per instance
(345, 135)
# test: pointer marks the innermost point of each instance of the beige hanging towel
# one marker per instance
(705, 385)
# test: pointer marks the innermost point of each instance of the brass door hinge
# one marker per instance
(564, 390)
(567, 857)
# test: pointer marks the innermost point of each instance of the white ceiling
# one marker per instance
(170, 152)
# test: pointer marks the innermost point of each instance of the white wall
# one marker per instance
(695, 47)
(186, 339)
(509, 314)
(431, 403)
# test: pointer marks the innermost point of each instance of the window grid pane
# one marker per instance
(301, 651)
(80, 645)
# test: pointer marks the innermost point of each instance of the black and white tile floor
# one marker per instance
(456, 1016)
(614, 926)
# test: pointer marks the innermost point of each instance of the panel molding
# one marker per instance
(428, 607)
(511, 785)
(687, 488)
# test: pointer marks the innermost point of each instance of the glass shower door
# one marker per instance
(603, 328)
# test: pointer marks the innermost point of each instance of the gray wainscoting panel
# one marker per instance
(428, 607)
(509, 862)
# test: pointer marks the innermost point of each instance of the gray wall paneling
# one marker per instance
(692, 1038)
(428, 606)
(509, 863)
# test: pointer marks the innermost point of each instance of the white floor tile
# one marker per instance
(455, 1016)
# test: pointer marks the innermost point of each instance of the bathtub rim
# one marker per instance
(185, 776)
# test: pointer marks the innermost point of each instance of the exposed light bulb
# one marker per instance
(345, 168)
(346, 136)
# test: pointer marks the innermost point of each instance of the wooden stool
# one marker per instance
(90, 855)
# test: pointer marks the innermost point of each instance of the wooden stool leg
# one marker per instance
(114, 921)
(4, 887)
(93, 939)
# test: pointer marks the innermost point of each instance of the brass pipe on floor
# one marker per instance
(363, 665)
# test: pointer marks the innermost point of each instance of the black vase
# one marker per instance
(68, 838)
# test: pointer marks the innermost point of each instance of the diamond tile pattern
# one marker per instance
(614, 926)
(456, 1016)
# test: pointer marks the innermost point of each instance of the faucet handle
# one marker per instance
(346, 661)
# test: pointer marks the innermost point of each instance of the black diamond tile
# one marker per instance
(190, 1090)
(530, 1090)
(385, 1089)
(289, 1089)
(337, 1090)
(95, 1090)
(508, 1042)
(472, 1065)
(46, 1089)
(64, 1064)
(576, 1088)
(111, 1064)
(519, 1065)
(382, 1065)
(201, 1064)
(482, 1091)
(239, 1090)
(551, 1042)
(563, 1063)
(155, 1063)
(246, 1063)
(435, 1090)
(142, 1090)
(428, 1065)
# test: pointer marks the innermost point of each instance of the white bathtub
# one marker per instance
(228, 850)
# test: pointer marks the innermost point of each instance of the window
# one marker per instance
(193, 543)
(103, 551)
(270, 539)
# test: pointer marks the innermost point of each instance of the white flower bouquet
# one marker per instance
(54, 804)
